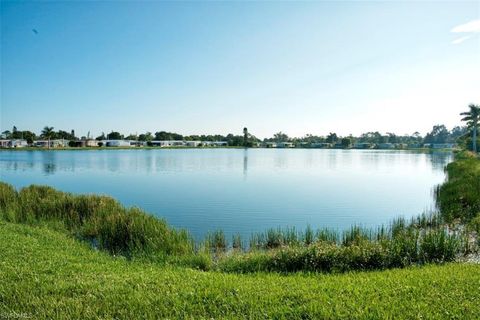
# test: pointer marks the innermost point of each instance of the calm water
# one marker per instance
(243, 190)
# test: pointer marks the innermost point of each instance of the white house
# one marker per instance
(56, 143)
(193, 143)
(321, 145)
(363, 145)
(168, 143)
(443, 146)
(385, 146)
(116, 143)
(285, 145)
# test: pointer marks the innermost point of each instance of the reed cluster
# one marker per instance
(459, 197)
(100, 220)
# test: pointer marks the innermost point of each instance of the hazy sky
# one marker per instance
(213, 67)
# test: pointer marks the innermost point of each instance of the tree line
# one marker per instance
(439, 134)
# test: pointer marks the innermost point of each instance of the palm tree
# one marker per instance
(245, 136)
(47, 133)
(472, 118)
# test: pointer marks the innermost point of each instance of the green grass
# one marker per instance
(45, 274)
(459, 197)
(105, 224)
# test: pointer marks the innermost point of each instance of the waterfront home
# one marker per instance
(55, 143)
(285, 145)
(13, 143)
(193, 143)
(116, 143)
(321, 145)
(135, 143)
(385, 146)
(85, 143)
(270, 145)
(215, 143)
(415, 145)
(443, 145)
(363, 145)
(168, 143)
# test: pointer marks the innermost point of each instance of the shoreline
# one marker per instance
(210, 148)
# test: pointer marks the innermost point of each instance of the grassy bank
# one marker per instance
(459, 197)
(45, 274)
(105, 224)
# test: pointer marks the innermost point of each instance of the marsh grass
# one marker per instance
(99, 220)
(459, 197)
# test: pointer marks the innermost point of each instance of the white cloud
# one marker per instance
(460, 40)
(469, 27)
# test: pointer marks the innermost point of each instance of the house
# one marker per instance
(285, 145)
(414, 145)
(193, 143)
(15, 143)
(4, 143)
(215, 143)
(168, 143)
(116, 143)
(18, 143)
(385, 146)
(86, 143)
(57, 143)
(270, 145)
(363, 145)
(443, 145)
(321, 145)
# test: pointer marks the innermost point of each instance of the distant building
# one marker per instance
(270, 145)
(55, 143)
(193, 143)
(168, 143)
(363, 145)
(215, 143)
(386, 146)
(85, 143)
(443, 145)
(4, 143)
(285, 145)
(117, 143)
(415, 145)
(321, 145)
(13, 143)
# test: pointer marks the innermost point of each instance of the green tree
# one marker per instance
(48, 133)
(332, 137)
(472, 118)
(346, 142)
(115, 136)
(280, 137)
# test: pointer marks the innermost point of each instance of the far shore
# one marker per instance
(224, 147)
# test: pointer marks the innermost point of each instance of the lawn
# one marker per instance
(46, 274)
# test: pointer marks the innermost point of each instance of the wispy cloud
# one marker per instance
(460, 40)
(471, 27)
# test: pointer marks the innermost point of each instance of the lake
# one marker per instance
(244, 191)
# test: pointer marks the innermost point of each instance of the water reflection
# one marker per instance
(245, 163)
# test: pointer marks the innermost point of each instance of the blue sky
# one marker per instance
(215, 67)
